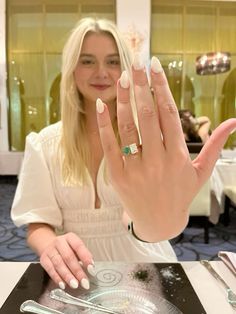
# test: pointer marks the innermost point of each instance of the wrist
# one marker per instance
(131, 231)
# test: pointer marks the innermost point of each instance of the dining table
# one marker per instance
(211, 293)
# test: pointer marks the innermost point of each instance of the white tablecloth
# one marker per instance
(224, 175)
(210, 292)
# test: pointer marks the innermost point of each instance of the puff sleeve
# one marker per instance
(34, 200)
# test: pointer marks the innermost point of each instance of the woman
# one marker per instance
(196, 130)
(79, 206)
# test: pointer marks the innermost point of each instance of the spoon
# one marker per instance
(231, 296)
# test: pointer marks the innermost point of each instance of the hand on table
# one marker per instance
(157, 184)
(65, 260)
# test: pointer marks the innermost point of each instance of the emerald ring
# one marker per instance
(131, 149)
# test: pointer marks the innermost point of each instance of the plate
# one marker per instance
(135, 301)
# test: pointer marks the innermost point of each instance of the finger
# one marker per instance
(83, 254)
(126, 125)
(148, 122)
(71, 261)
(49, 268)
(61, 268)
(167, 111)
(109, 142)
(210, 152)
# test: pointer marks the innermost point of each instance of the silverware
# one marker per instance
(34, 307)
(231, 296)
(62, 296)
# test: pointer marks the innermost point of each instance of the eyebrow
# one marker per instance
(91, 55)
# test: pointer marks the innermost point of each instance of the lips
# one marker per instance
(100, 86)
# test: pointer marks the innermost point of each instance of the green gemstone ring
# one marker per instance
(130, 149)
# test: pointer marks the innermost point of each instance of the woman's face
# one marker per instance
(98, 68)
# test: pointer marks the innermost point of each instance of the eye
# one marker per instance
(114, 62)
(87, 61)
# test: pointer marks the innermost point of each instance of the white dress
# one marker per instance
(42, 197)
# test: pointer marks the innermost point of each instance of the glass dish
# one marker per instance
(132, 301)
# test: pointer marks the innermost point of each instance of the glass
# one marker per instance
(173, 67)
(163, 31)
(198, 27)
(200, 22)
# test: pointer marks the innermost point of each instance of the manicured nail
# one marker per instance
(91, 270)
(100, 105)
(137, 63)
(85, 283)
(124, 80)
(74, 284)
(62, 285)
(156, 65)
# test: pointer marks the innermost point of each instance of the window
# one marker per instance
(183, 30)
(36, 33)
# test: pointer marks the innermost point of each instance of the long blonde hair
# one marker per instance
(74, 144)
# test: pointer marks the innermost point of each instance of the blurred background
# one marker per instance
(178, 32)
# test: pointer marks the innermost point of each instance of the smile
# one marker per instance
(100, 86)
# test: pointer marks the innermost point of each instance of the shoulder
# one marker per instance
(48, 135)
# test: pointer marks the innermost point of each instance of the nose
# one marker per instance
(101, 70)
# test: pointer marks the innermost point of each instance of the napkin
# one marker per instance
(229, 258)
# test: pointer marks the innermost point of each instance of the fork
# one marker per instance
(31, 306)
(231, 296)
(60, 295)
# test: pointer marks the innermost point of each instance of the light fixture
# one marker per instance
(213, 63)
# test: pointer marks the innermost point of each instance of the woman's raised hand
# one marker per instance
(156, 181)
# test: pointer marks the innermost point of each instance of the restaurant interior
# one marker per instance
(195, 41)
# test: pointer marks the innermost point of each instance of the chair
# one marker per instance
(201, 204)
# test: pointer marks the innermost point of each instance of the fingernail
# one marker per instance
(74, 284)
(91, 270)
(62, 285)
(156, 65)
(85, 283)
(124, 80)
(99, 105)
(137, 63)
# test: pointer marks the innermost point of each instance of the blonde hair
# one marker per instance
(74, 144)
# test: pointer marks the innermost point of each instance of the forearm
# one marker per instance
(39, 236)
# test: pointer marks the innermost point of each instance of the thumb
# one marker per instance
(205, 161)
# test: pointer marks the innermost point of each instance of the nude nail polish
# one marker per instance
(156, 65)
(124, 80)
(62, 285)
(85, 283)
(74, 284)
(137, 63)
(91, 270)
(100, 105)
